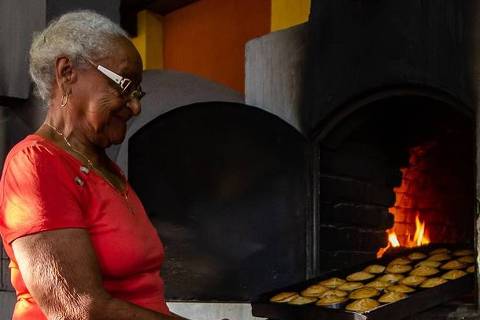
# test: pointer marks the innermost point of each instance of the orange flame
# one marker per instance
(420, 238)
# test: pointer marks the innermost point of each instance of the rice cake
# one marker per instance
(399, 288)
(398, 268)
(331, 300)
(315, 290)
(360, 276)
(363, 293)
(391, 277)
(334, 292)
(429, 263)
(350, 286)
(439, 257)
(390, 297)
(332, 283)
(464, 252)
(374, 268)
(454, 274)
(401, 261)
(467, 259)
(284, 297)
(362, 305)
(413, 280)
(377, 284)
(302, 300)
(424, 271)
(453, 265)
(433, 282)
(417, 256)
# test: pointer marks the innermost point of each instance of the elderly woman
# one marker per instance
(79, 241)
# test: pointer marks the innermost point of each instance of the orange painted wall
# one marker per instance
(208, 37)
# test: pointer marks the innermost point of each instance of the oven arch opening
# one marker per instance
(364, 155)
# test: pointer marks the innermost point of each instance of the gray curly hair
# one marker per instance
(75, 35)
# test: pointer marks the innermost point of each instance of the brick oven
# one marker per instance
(386, 93)
(405, 165)
(389, 101)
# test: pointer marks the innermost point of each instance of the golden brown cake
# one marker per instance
(432, 282)
(428, 263)
(401, 261)
(471, 269)
(453, 265)
(454, 274)
(399, 288)
(391, 278)
(390, 297)
(377, 284)
(332, 283)
(314, 291)
(417, 256)
(413, 280)
(284, 297)
(398, 268)
(439, 257)
(424, 271)
(334, 292)
(362, 305)
(365, 292)
(374, 268)
(440, 250)
(464, 252)
(350, 286)
(360, 276)
(467, 259)
(302, 300)
(331, 300)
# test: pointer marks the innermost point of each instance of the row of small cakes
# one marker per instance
(336, 292)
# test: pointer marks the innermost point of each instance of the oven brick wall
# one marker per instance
(355, 190)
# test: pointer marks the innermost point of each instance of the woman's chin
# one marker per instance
(110, 139)
(117, 134)
(117, 139)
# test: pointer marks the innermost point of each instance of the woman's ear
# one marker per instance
(65, 74)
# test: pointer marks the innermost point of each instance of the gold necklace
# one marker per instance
(123, 193)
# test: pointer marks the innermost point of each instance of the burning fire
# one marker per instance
(419, 238)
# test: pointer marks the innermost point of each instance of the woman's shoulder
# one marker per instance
(33, 151)
(33, 147)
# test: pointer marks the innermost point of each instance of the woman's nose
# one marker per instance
(135, 106)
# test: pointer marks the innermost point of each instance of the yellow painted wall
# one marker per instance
(287, 13)
(149, 39)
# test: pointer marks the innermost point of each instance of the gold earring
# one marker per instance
(64, 100)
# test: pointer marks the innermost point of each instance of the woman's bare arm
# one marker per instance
(61, 272)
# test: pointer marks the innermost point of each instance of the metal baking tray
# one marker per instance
(418, 301)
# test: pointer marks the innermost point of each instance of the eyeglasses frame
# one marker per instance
(122, 82)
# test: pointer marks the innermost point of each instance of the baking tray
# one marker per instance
(418, 301)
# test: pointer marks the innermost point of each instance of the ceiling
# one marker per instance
(130, 8)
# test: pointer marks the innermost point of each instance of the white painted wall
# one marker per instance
(213, 311)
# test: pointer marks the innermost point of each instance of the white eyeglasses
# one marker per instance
(125, 84)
